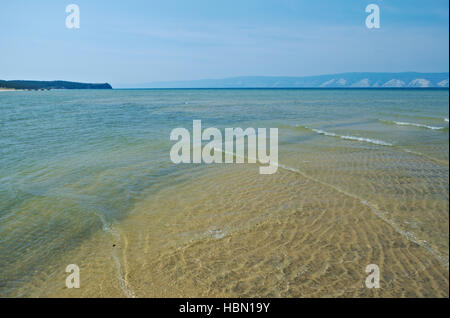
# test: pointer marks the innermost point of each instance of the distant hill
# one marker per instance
(407, 79)
(51, 85)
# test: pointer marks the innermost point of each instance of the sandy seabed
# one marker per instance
(235, 233)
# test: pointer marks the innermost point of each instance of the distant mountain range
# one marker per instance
(341, 80)
(38, 85)
(406, 79)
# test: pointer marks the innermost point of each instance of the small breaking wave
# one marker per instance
(401, 123)
(123, 283)
(346, 137)
(446, 120)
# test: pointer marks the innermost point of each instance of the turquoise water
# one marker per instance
(74, 162)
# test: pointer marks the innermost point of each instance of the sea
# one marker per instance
(86, 178)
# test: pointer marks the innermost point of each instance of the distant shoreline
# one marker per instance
(9, 89)
(47, 85)
(284, 88)
(3, 89)
(339, 80)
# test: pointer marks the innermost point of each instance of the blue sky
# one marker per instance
(136, 41)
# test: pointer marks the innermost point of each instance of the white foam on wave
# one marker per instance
(446, 120)
(123, 283)
(401, 123)
(372, 141)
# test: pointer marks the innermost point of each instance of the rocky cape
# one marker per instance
(45, 85)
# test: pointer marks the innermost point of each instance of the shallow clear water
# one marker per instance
(77, 167)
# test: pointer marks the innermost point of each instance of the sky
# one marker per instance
(142, 41)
